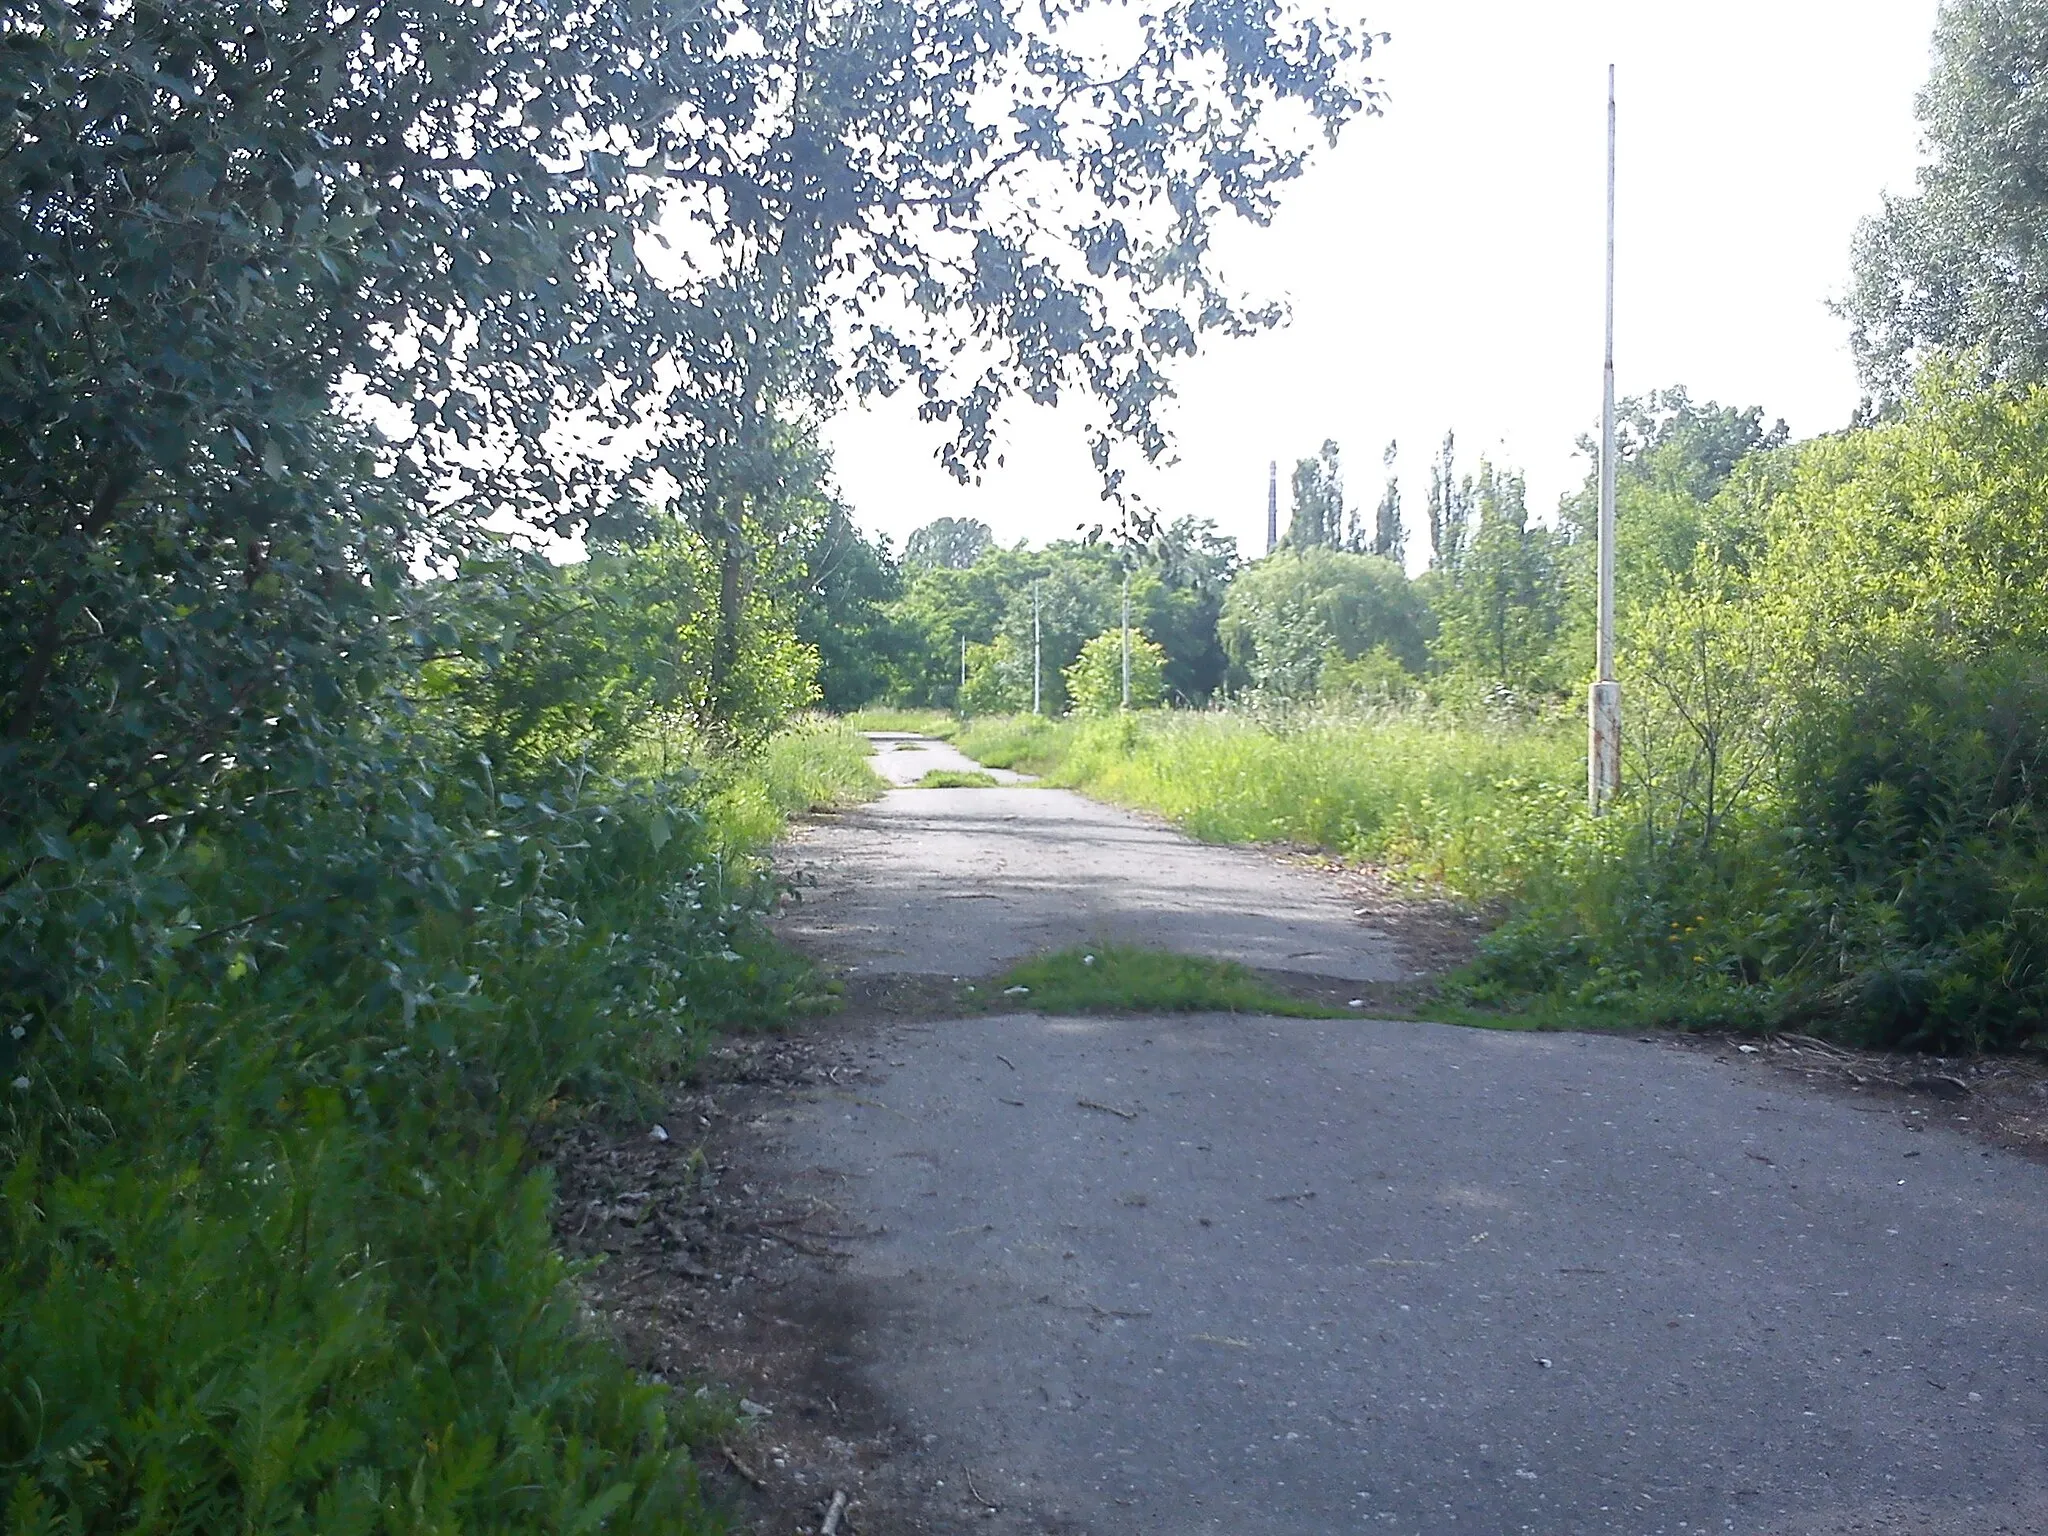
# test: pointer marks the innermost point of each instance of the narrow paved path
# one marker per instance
(960, 882)
(1238, 1275)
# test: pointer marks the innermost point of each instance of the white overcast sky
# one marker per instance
(1443, 265)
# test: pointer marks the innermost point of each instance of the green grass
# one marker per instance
(1114, 978)
(955, 778)
(1470, 807)
(276, 1251)
(816, 765)
(923, 722)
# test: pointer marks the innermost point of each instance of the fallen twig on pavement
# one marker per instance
(1108, 1109)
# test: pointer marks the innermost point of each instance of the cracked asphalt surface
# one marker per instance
(1223, 1274)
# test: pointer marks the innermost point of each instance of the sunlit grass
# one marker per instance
(817, 764)
(1114, 978)
(954, 778)
(923, 722)
(1471, 806)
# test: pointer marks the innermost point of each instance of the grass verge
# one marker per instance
(1114, 978)
(1470, 807)
(818, 764)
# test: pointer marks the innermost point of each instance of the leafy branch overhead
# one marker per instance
(297, 296)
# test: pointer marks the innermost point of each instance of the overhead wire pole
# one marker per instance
(1603, 706)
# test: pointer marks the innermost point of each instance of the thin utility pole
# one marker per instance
(963, 671)
(1034, 650)
(1272, 504)
(1127, 637)
(1603, 709)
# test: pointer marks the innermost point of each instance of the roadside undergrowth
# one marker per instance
(275, 1248)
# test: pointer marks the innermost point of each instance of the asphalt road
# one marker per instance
(962, 882)
(1302, 1277)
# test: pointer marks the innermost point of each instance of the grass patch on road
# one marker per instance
(1113, 978)
(923, 722)
(956, 778)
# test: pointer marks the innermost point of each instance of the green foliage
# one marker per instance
(1095, 682)
(1288, 616)
(842, 613)
(1960, 266)
(1061, 597)
(1499, 596)
(813, 765)
(276, 1254)
(1317, 519)
(1027, 743)
(1831, 736)
(921, 722)
(1118, 978)
(954, 543)
(1475, 807)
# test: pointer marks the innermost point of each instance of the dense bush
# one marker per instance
(1095, 682)
(276, 1254)
(1834, 736)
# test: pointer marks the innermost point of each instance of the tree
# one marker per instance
(219, 218)
(1450, 508)
(1318, 517)
(1286, 614)
(1389, 536)
(1673, 457)
(954, 542)
(1964, 263)
(1095, 682)
(844, 590)
(1501, 602)
(1179, 594)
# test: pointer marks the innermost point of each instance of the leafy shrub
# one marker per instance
(1095, 682)
(276, 1254)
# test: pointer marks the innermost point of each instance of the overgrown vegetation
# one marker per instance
(935, 723)
(345, 843)
(1117, 978)
(1837, 718)
(1470, 805)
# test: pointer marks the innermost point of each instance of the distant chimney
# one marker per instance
(1272, 505)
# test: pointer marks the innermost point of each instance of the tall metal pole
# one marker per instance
(963, 672)
(1034, 650)
(1127, 637)
(1603, 711)
(1272, 504)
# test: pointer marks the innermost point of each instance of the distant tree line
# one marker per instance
(1500, 615)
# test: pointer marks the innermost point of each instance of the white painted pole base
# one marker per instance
(1603, 745)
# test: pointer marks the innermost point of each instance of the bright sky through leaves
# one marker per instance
(1444, 265)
